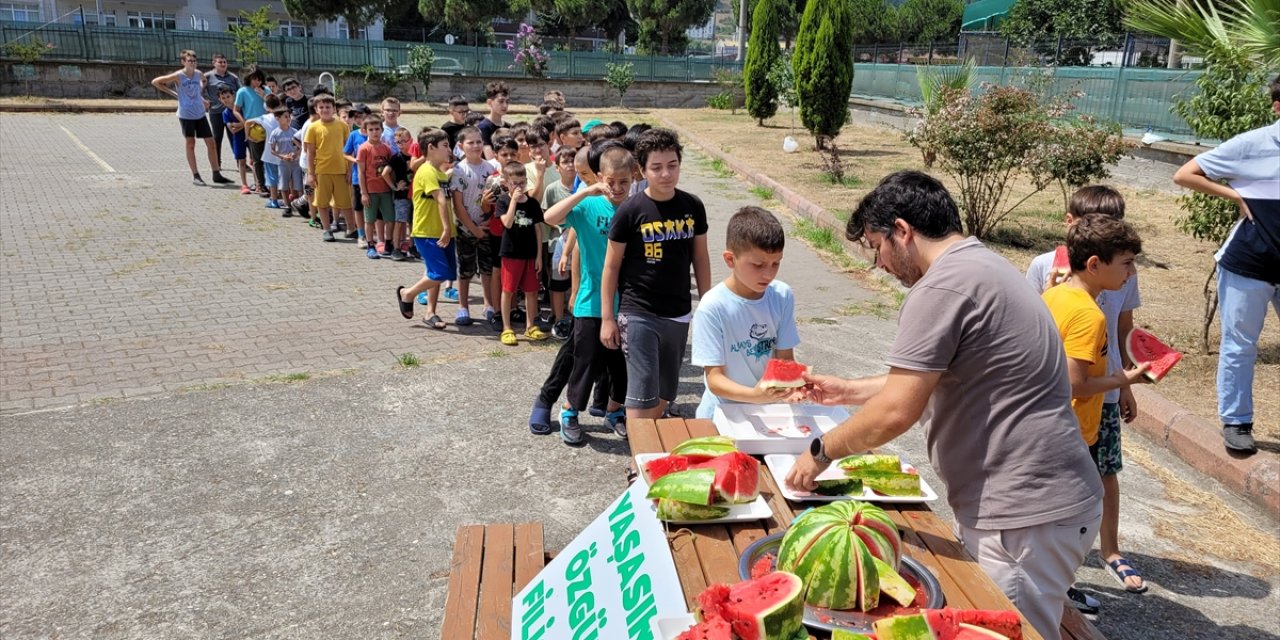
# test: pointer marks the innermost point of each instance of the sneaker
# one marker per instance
(287, 213)
(517, 315)
(313, 223)
(218, 178)
(272, 204)
(244, 191)
(1239, 437)
(463, 318)
(540, 419)
(617, 420)
(198, 181)
(361, 244)
(253, 189)
(422, 298)
(351, 234)
(450, 294)
(508, 338)
(384, 254)
(398, 256)
(372, 253)
(561, 329)
(328, 236)
(535, 334)
(495, 322)
(1087, 605)
(489, 314)
(570, 430)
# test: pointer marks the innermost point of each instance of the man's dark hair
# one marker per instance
(222, 88)
(216, 56)
(495, 89)
(271, 101)
(619, 128)
(543, 122)
(534, 137)
(915, 197)
(1096, 198)
(1098, 234)
(1275, 89)
(269, 79)
(754, 228)
(597, 150)
(509, 144)
(601, 132)
(633, 134)
(658, 139)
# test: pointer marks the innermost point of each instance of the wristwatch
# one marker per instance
(816, 450)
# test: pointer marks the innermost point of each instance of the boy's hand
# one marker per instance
(537, 264)
(540, 162)
(597, 189)
(518, 195)
(1134, 376)
(364, 199)
(609, 334)
(445, 239)
(1128, 405)
(767, 395)
(486, 198)
(563, 266)
(310, 180)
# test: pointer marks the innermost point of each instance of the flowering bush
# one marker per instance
(528, 52)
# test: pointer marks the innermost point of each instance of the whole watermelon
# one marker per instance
(831, 548)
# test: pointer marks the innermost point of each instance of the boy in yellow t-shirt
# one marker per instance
(433, 225)
(327, 168)
(1102, 250)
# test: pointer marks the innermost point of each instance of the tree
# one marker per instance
(930, 20)
(566, 18)
(1236, 45)
(663, 23)
(762, 53)
(823, 65)
(1044, 23)
(248, 35)
(620, 77)
(469, 16)
(789, 12)
(875, 21)
(355, 14)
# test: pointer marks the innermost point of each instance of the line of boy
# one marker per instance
(1093, 308)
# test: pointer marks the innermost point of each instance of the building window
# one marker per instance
(346, 33)
(19, 11)
(293, 29)
(152, 20)
(91, 17)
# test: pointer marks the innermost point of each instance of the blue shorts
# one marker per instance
(272, 173)
(238, 146)
(442, 264)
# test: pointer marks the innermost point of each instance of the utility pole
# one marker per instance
(742, 29)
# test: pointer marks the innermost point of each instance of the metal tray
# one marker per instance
(856, 621)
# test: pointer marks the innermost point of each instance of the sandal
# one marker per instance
(508, 338)
(1121, 568)
(406, 308)
(435, 323)
(462, 318)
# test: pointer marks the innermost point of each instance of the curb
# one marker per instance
(1162, 421)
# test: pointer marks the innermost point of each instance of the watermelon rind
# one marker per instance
(973, 632)
(783, 374)
(845, 634)
(893, 584)
(709, 446)
(676, 511)
(783, 619)
(889, 483)
(902, 628)
(830, 548)
(870, 462)
(845, 487)
(1143, 347)
(692, 486)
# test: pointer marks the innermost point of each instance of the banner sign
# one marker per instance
(610, 583)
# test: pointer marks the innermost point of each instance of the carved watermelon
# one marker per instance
(783, 374)
(659, 467)
(831, 548)
(737, 476)
(770, 607)
(1143, 347)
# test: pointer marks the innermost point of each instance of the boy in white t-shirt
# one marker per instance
(750, 317)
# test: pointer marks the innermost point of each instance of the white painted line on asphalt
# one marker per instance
(89, 152)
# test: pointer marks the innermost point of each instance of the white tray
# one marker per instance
(757, 509)
(669, 627)
(750, 425)
(780, 465)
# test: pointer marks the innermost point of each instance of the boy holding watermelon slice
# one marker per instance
(1117, 404)
(749, 318)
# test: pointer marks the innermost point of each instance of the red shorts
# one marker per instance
(519, 275)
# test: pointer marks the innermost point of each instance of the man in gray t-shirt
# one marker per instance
(214, 80)
(978, 361)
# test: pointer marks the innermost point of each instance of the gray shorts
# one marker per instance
(290, 176)
(404, 211)
(654, 348)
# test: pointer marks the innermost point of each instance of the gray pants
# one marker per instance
(1035, 566)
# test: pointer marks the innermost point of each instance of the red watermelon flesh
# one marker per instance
(659, 467)
(783, 374)
(714, 629)
(737, 476)
(1144, 347)
(770, 607)
(1004, 624)
(1061, 261)
(763, 566)
(972, 632)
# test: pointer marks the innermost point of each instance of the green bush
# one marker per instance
(421, 60)
(722, 101)
(762, 54)
(620, 77)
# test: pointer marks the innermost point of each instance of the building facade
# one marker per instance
(196, 15)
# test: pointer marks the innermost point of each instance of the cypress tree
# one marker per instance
(823, 67)
(762, 54)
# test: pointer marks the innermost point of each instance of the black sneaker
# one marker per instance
(617, 420)
(328, 237)
(1239, 437)
(495, 322)
(218, 178)
(287, 213)
(517, 315)
(197, 180)
(560, 330)
(570, 430)
(399, 256)
(1087, 605)
(351, 234)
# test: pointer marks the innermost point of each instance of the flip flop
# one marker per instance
(406, 308)
(1119, 574)
(435, 323)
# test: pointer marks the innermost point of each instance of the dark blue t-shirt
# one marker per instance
(1250, 162)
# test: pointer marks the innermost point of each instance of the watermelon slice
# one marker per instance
(889, 483)
(714, 629)
(1004, 622)
(846, 487)
(770, 607)
(909, 628)
(737, 476)
(1061, 263)
(693, 486)
(892, 584)
(845, 634)
(706, 447)
(971, 632)
(1144, 347)
(658, 467)
(870, 462)
(673, 510)
(783, 374)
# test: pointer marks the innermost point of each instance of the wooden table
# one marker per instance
(708, 554)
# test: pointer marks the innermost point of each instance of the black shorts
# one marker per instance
(195, 128)
(356, 199)
(495, 251)
(558, 285)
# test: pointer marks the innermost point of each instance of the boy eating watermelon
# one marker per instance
(749, 318)
(1117, 404)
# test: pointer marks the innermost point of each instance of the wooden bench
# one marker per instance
(491, 563)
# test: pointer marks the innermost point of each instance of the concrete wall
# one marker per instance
(99, 80)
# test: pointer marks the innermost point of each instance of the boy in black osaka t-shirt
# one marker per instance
(655, 237)
(521, 250)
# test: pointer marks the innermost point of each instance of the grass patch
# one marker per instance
(849, 180)
(816, 320)
(764, 193)
(877, 308)
(297, 376)
(498, 353)
(408, 360)
(719, 168)
(822, 238)
(212, 386)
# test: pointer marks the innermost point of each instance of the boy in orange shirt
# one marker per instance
(379, 209)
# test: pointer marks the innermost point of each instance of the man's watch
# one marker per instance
(816, 450)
